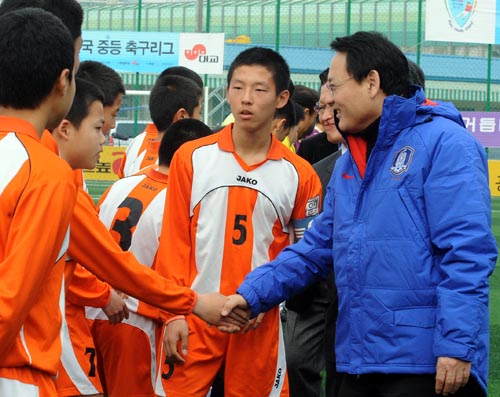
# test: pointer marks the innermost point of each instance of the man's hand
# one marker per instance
(235, 309)
(175, 331)
(451, 375)
(209, 308)
(116, 309)
(254, 323)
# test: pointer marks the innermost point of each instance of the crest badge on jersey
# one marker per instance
(461, 12)
(402, 160)
(312, 206)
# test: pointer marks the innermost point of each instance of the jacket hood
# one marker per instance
(399, 113)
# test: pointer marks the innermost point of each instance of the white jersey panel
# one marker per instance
(13, 155)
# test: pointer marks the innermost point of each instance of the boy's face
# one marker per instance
(85, 145)
(252, 97)
(110, 113)
(197, 110)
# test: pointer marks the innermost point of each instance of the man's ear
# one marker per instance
(181, 114)
(282, 99)
(373, 79)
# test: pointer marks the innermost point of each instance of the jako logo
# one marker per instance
(278, 379)
(198, 49)
(244, 179)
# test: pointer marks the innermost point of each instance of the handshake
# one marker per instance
(229, 314)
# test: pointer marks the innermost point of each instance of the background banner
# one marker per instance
(474, 21)
(152, 52)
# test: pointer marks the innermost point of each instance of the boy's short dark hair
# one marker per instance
(367, 51)
(69, 11)
(267, 58)
(36, 47)
(292, 112)
(179, 133)
(104, 77)
(169, 94)
(305, 97)
(184, 72)
(86, 94)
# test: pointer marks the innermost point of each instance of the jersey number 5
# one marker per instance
(239, 226)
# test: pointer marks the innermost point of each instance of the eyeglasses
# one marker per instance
(320, 109)
(333, 87)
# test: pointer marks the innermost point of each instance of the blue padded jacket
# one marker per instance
(412, 247)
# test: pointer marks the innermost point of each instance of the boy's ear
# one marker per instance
(63, 82)
(62, 131)
(282, 99)
(181, 114)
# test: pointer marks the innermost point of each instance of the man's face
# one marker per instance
(354, 102)
(326, 116)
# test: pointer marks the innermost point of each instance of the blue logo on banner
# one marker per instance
(461, 12)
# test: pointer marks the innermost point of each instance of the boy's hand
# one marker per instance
(176, 331)
(235, 310)
(116, 309)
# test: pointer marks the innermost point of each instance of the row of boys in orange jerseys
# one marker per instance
(35, 182)
(127, 208)
(133, 207)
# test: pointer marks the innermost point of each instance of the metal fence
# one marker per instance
(467, 74)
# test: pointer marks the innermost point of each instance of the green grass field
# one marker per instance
(495, 310)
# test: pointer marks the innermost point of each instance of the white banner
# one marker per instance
(463, 21)
(152, 52)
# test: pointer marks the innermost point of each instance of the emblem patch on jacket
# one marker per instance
(402, 160)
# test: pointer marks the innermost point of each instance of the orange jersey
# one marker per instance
(132, 210)
(37, 195)
(93, 246)
(141, 152)
(225, 218)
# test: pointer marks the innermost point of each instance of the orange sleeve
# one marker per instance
(93, 246)
(32, 248)
(121, 170)
(175, 242)
(85, 289)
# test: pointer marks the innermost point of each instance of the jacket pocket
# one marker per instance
(423, 317)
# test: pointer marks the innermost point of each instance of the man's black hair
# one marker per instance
(367, 51)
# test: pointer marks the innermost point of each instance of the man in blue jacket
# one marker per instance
(407, 223)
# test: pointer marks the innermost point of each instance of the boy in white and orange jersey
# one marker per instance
(142, 150)
(132, 209)
(79, 139)
(36, 201)
(235, 200)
